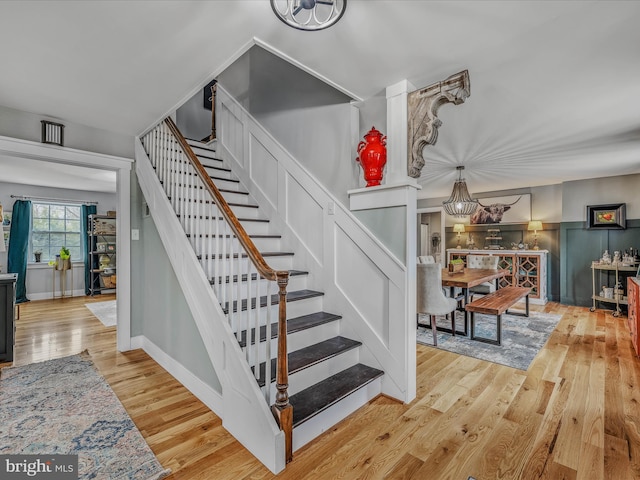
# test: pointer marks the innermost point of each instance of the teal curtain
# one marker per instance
(19, 246)
(85, 211)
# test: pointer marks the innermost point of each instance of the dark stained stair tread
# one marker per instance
(294, 325)
(207, 217)
(311, 355)
(254, 277)
(253, 235)
(244, 255)
(317, 398)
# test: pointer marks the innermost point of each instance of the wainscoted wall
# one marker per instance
(579, 247)
(331, 243)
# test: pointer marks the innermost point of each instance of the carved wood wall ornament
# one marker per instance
(423, 118)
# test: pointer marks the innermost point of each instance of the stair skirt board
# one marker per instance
(328, 418)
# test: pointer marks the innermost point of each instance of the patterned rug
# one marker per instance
(522, 337)
(104, 311)
(65, 406)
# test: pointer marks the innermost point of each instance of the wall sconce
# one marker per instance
(458, 228)
(535, 225)
(52, 132)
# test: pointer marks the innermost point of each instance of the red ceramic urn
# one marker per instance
(373, 156)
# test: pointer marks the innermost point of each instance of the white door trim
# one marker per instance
(122, 166)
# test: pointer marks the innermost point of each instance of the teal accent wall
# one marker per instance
(579, 247)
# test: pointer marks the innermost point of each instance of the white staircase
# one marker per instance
(326, 378)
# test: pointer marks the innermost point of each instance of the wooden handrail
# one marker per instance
(282, 409)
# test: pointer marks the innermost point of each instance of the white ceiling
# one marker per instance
(555, 86)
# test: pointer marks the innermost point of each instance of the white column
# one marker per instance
(397, 133)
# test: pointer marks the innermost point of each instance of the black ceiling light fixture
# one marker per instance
(309, 14)
(460, 202)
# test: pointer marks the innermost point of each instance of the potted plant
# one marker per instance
(456, 265)
(64, 263)
(38, 255)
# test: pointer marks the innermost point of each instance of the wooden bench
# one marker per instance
(497, 303)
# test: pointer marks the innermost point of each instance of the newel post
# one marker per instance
(282, 409)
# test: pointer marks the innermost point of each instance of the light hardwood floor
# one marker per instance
(575, 414)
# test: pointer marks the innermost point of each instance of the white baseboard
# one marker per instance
(204, 392)
(49, 295)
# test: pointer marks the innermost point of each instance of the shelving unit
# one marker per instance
(102, 253)
(617, 268)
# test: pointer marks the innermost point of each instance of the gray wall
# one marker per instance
(578, 194)
(309, 118)
(159, 310)
(385, 223)
(39, 280)
(373, 113)
(193, 120)
(26, 126)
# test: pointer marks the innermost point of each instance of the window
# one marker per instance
(55, 226)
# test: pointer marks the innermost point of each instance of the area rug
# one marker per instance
(65, 406)
(522, 337)
(105, 311)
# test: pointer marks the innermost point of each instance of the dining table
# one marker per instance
(465, 280)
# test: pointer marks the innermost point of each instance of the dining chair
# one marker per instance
(485, 262)
(430, 299)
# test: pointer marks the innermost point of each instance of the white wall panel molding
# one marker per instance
(384, 321)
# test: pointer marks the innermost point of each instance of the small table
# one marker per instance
(471, 277)
(63, 282)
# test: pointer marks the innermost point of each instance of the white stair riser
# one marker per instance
(311, 336)
(209, 227)
(297, 282)
(322, 422)
(233, 197)
(240, 211)
(294, 309)
(218, 173)
(206, 244)
(220, 182)
(208, 162)
(198, 150)
(309, 376)
(242, 264)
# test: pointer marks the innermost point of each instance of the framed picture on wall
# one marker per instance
(612, 216)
